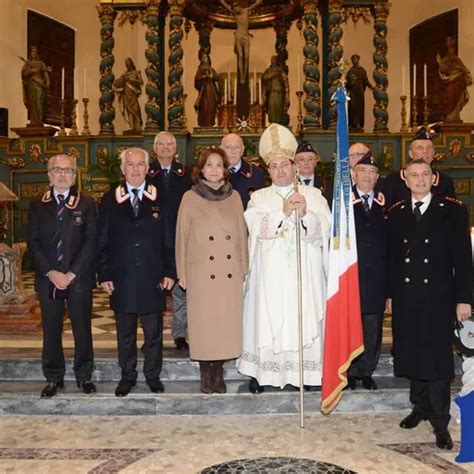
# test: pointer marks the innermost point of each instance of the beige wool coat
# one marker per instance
(212, 260)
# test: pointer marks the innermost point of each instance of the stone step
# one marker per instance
(184, 398)
(175, 367)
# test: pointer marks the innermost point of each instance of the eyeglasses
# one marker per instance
(59, 170)
(282, 166)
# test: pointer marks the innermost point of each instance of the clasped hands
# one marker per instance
(165, 284)
(296, 202)
(61, 280)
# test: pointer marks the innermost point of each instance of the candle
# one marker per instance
(403, 81)
(260, 93)
(299, 72)
(414, 79)
(255, 82)
(228, 82)
(75, 85)
(235, 91)
(251, 90)
(472, 242)
(425, 80)
(62, 83)
(225, 91)
(85, 83)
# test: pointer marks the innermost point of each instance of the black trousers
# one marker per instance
(152, 324)
(431, 399)
(79, 306)
(366, 363)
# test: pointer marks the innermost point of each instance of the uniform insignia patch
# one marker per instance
(77, 218)
(155, 212)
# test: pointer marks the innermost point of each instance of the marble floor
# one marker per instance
(103, 330)
(365, 443)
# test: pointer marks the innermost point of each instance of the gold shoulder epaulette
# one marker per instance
(396, 206)
(453, 200)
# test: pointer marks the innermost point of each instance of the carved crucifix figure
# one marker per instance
(242, 35)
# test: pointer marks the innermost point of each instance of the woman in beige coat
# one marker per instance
(212, 260)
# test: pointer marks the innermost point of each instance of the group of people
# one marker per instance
(226, 246)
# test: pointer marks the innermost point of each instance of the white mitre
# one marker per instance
(277, 141)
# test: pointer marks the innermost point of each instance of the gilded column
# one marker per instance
(176, 119)
(312, 99)
(281, 30)
(107, 16)
(382, 9)
(334, 55)
(153, 86)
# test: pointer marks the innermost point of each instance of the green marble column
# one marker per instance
(107, 16)
(153, 86)
(176, 118)
(311, 89)
(382, 9)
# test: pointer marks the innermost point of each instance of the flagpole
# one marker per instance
(300, 306)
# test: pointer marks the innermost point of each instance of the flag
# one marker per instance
(343, 339)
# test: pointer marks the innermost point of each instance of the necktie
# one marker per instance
(365, 203)
(307, 181)
(232, 170)
(135, 202)
(60, 216)
(166, 179)
(417, 211)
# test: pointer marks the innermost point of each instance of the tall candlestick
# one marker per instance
(251, 90)
(403, 81)
(85, 83)
(225, 91)
(228, 82)
(75, 85)
(299, 73)
(425, 80)
(255, 83)
(235, 91)
(62, 83)
(260, 92)
(414, 79)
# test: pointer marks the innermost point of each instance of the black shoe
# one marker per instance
(124, 387)
(369, 383)
(411, 421)
(181, 344)
(51, 389)
(351, 382)
(87, 387)
(156, 386)
(254, 386)
(443, 439)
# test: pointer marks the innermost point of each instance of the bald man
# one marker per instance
(421, 147)
(245, 177)
(356, 152)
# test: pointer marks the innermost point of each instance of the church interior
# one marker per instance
(119, 72)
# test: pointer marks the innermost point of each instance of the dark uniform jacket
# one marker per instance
(325, 187)
(135, 253)
(395, 190)
(429, 273)
(77, 230)
(179, 181)
(248, 179)
(371, 235)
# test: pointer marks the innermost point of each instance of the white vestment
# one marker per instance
(270, 339)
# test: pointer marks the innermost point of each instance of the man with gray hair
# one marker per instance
(61, 241)
(172, 179)
(136, 265)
